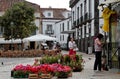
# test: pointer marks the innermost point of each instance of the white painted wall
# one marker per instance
(46, 22)
(59, 30)
(56, 25)
(87, 10)
(37, 22)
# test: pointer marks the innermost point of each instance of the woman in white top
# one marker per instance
(72, 46)
(98, 52)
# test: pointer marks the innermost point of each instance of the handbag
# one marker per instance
(76, 49)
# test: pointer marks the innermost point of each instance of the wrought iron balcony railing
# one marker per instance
(49, 31)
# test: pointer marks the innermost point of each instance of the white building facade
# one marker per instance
(54, 21)
(62, 32)
(85, 20)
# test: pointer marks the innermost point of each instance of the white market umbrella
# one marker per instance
(40, 37)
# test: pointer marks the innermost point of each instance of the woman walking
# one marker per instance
(72, 46)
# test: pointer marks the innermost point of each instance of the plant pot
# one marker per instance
(62, 75)
(77, 69)
(12, 73)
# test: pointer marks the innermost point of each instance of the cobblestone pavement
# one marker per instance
(87, 73)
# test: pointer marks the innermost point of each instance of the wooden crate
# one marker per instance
(33, 76)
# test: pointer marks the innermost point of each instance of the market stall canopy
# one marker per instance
(40, 37)
(3, 41)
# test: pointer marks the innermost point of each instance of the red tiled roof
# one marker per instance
(5, 4)
(57, 12)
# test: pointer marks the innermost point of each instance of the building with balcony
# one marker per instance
(54, 19)
(64, 31)
(85, 20)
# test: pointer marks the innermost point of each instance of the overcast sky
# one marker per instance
(52, 3)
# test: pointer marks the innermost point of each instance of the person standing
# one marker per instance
(98, 51)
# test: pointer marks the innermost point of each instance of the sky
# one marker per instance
(52, 3)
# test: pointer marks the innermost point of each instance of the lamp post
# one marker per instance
(12, 35)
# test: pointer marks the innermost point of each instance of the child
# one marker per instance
(104, 61)
(36, 63)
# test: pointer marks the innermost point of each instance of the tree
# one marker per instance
(18, 21)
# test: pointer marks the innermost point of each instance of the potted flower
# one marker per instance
(46, 71)
(63, 71)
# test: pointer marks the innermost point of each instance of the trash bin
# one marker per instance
(89, 50)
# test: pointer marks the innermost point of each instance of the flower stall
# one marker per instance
(43, 70)
(60, 66)
(76, 64)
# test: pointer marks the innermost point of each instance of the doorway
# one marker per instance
(32, 45)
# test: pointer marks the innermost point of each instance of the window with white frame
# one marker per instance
(49, 14)
(67, 25)
(60, 28)
(69, 14)
(49, 27)
(63, 38)
(63, 27)
(60, 38)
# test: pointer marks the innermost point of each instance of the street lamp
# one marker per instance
(12, 35)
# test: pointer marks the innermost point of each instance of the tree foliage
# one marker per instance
(18, 21)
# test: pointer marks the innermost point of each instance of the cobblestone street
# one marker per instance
(87, 73)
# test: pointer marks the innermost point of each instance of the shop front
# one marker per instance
(115, 36)
(111, 26)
